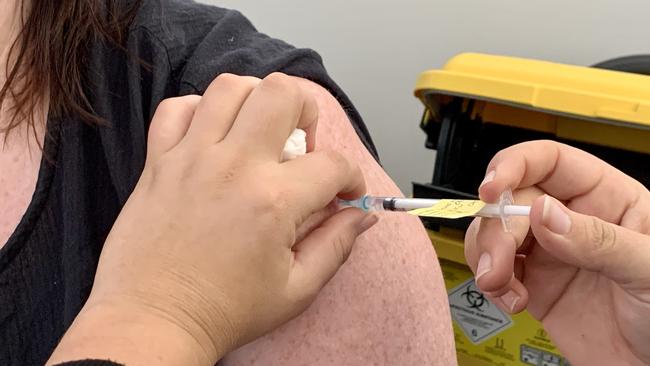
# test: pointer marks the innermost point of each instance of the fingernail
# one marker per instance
(554, 217)
(510, 300)
(488, 178)
(484, 265)
(368, 222)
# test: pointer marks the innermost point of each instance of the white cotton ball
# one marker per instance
(296, 145)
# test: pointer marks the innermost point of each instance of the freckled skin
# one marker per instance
(19, 162)
(386, 306)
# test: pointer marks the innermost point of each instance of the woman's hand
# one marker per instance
(203, 257)
(581, 265)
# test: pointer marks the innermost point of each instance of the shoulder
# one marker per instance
(180, 26)
(189, 44)
(163, 15)
(202, 41)
(392, 266)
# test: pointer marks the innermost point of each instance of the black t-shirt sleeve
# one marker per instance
(204, 41)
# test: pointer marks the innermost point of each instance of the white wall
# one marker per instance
(375, 49)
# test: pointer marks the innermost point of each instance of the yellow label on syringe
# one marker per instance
(450, 209)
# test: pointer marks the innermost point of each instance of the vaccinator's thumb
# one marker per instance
(590, 243)
(320, 255)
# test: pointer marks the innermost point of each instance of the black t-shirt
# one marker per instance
(48, 264)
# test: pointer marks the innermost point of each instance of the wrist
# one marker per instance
(132, 335)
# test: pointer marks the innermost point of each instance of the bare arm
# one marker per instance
(387, 305)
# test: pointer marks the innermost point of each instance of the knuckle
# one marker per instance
(172, 105)
(498, 159)
(226, 80)
(340, 245)
(548, 144)
(277, 78)
(167, 105)
(186, 101)
(226, 77)
(505, 155)
(279, 82)
(601, 236)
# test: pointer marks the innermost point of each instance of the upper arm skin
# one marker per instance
(387, 305)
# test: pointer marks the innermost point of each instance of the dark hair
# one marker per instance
(48, 56)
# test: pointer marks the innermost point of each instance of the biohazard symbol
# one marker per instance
(475, 299)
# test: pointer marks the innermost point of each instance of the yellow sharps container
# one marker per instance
(479, 104)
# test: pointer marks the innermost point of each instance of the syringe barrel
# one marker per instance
(371, 203)
(366, 203)
(493, 210)
(408, 204)
(514, 210)
(490, 210)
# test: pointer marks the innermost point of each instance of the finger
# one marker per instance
(272, 111)
(219, 107)
(315, 220)
(590, 243)
(512, 298)
(502, 287)
(319, 256)
(490, 254)
(520, 262)
(318, 92)
(318, 178)
(561, 170)
(490, 251)
(169, 124)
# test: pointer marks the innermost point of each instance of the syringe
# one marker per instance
(503, 210)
